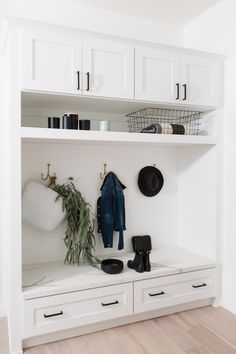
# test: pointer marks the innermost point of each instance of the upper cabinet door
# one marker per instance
(108, 68)
(51, 62)
(156, 75)
(200, 80)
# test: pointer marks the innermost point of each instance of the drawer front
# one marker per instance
(59, 312)
(154, 294)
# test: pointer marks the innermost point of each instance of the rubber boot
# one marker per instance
(139, 266)
(147, 265)
(133, 264)
(147, 246)
(138, 249)
(138, 263)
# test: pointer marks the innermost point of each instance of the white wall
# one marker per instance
(197, 199)
(84, 163)
(72, 14)
(215, 31)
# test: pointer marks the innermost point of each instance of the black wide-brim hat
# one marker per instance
(150, 181)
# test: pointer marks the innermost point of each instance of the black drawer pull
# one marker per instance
(157, 294)
(87, 81)
(199, 286)
(177, 93)
(185, 92)
(54, 314)
(110, 303)
(78, 77)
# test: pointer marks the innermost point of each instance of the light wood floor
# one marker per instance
(207, 331)
(4, 345)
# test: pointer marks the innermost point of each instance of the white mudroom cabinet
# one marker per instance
(70, 63)
(177, 77)
(105, 78)
(52, 62)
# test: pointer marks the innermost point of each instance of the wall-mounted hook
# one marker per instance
(103, 174)
(52, 178)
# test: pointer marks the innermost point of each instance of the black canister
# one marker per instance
(84, 124)
(54, 122)
(70, 121)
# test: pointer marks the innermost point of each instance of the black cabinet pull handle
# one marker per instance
(199, 286)
(110, 303)
(87, 81)
(78, 77)
(54, 314)
(157, 294)
(177, 93)
(185, 92)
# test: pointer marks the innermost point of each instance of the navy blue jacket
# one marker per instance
(111, 210)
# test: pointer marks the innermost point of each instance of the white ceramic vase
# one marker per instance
(40, 208)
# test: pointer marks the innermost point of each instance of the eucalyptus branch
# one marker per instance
(79, 235)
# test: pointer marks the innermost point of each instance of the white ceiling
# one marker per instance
(176, 12)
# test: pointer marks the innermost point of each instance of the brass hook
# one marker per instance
(52, 178)
(102, 175)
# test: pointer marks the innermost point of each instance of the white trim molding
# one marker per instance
(3, 35)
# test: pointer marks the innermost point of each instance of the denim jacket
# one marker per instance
(111, 210)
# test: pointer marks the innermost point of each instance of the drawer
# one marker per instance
(59, 312)
(157, 293)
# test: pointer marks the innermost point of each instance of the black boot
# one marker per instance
(147, 247)
(133, 264)
(138, 262)
(142, 247)
(147, 265)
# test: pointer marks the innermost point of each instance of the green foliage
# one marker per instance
(79, 235)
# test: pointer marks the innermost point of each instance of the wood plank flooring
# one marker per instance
(4, 345)
(202, 331)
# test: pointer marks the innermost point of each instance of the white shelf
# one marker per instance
(75, 102)
(58, 278)
(78, 136)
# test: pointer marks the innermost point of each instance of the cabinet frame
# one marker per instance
(12, 184)
(176, 90)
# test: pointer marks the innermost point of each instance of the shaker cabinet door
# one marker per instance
(156, 75)
(51, 62)
(108, 68)
(200, 80)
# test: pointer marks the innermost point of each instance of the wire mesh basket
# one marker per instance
(165, 121)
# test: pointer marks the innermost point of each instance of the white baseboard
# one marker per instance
(3, 308)
(229, 304)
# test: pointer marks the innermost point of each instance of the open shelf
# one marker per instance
(76, 102)
(79, 136)
(56, 277)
